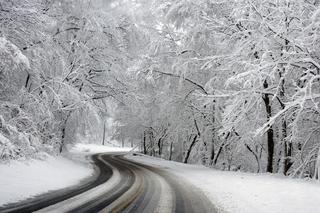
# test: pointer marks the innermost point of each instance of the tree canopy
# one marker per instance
(228, 84)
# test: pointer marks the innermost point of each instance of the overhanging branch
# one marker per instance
(186, 79)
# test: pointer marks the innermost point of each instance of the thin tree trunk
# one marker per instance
(151, 141)
(159, 146)
(144, 143)
(160, 142)
(287, 148)
(62, 138)
(27, 81)
(215, 160)
(255, 156)
(185, 160)
(104, 133)
(170, 152)
(287, 144)
(317, 167)
(63, 132)
(212, 150)
(270, 140)
(218, 154)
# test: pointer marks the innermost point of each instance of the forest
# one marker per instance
(229, 84)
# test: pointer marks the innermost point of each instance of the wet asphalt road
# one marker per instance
(121, 185)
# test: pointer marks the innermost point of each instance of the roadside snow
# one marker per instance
(238, 192)
(21, 180)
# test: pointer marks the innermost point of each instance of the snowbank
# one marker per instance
(243, 192)
(20, 180)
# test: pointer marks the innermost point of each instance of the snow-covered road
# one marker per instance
(139, 183)
(130, 187)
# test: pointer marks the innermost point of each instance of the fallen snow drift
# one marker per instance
(243, 192)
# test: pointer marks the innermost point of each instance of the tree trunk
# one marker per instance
(170, 152)
(215, 160)
(255, 156)
(287, 144)
(62, 138)
(212, 152)
(185, 160)
(104, 133)
(287, 148)
(63, 132)
(144, 143)
(218, 154)
(270, 140)
(288, 163)
(151, 141)
(27, 81)
(317, 167)
(159, 146)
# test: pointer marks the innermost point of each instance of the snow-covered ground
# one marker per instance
(94, 148)
(237, 192)
(21, 180)
(233, 192)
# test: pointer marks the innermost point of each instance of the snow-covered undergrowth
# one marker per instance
(238, 192)
(19, 138)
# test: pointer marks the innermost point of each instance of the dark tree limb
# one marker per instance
(186, 79)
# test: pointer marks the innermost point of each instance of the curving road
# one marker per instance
(121, 185)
